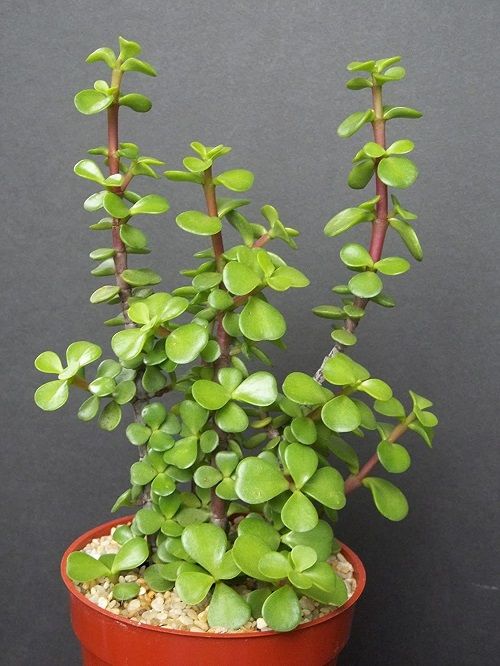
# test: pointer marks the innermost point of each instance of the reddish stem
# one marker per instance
(218, 505)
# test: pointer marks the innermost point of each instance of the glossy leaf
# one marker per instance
(261, 321)
(89, 170)
(355, 255)
(258, 481)
(298, 513)
(392, 266)
(286, 277)
(302, 463)
(91, 101)
(354, 122)
(196, 222)
(231, 418)
(281, 609)
(82, 567)
(128, 344)
(388, 499)
(210, 395)
(113, 204)
(238, 180)
(185, 343)
(239, 278)
(125, 591)
(341, 414)
(341, 370)
(346, 219)
(136, 65)
(401, 112)
(376, 388)
(327, 487)
(52, 395)
(140, 277)
(105, 54)
(320, 538)
(137, 102)
(206, 544)
(132, 554)
(110, 417)
(397, 171)
(49, 362)
(303, 389)
(408, 236)
(361, 174)
(152, 204)
(193, 586)
(227, 608)
(393, 457)
(258, 389)
(366, 284)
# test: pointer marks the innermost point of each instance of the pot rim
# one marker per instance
(86, 537)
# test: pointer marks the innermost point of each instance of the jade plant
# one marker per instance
(236, 477)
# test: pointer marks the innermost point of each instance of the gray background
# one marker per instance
(268, 79)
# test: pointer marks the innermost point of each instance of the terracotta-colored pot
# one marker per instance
(109, 640)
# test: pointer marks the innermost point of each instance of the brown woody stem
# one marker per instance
(355, 480)
(379, 225)
(218, 505)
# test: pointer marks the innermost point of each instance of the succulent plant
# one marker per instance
(237, 476)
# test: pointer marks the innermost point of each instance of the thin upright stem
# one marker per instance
(218, 505)
(379, 225)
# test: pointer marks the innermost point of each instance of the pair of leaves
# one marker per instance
(82, 567)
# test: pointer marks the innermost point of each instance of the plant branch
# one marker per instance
(218, 505)
(379, 225)
(355, 480)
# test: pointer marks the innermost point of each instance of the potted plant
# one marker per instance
(230, 555)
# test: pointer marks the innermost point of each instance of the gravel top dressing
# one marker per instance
(165, 609)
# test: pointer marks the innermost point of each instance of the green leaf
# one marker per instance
(155, 580)
(132, 554)
(358, 83)
(206, 544)
(366, 285)
(195, 165)
(391, 74)
(227, 608)
(183, 177)
(327, 586)
(302, 462)
(408, 236)
(343, 337)
(281, 609)
(327, 487)
(376, 388)
(141, 473)
(397, 171)
(393, 457)
(320, 538)
(94, 202)
(135, 65)
(52, 395)
(140, 277)
(137, 102)
(354, 122)
(400, 147)
(239, 278)
(88, 408)
(113, 204)
(183, 453)
(388, 499)
(185, 343)
(257, 526)
(372, 149)
(261, 321)
(210, 395)
(48, 361)
(341, 370)
(285, 277)
(346, 219)
(206, 281)
(304, 390)
(110, 416)
(238, 180)
(303, 557)
(128, 344)
(232, 418)
(258, 481)
(193, 586)
(148, 521)
(82, 567)
(401, 112)
(196, 222)
(392, 266)
(163, 485)
(355, 255)
(125, 591)
(258, 389)
(104, 294)
(105, 54)
(329, 312)
(390, 407)
(361, 66)
(128, 48)
(304, 430)
(91, 101)
(89, 170)
(299, 513)
(152, 204)
(341, 414)
(207, 476)
(345, 452)
(361, 174)
(247, 551)
(274, 565)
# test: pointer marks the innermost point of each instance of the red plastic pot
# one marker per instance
(109, 640)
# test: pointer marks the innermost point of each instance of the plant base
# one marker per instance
(108, 640)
